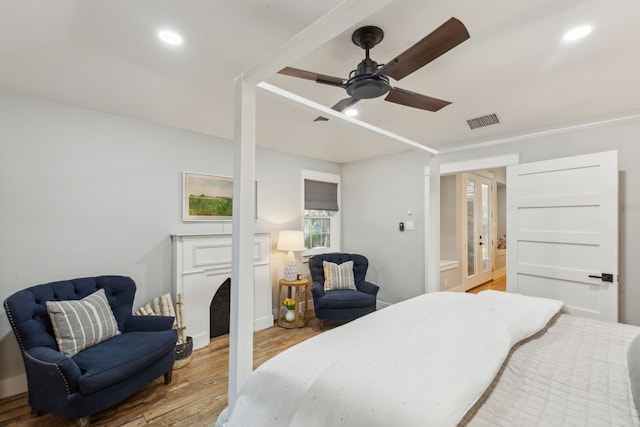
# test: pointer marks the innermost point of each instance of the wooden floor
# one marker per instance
(198, 392)
(499, 284)
(195, 397)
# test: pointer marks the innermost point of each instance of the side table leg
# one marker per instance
(279, 307)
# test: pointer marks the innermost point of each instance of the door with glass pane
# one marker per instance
(477, 230)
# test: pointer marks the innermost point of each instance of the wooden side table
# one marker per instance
(301, 287)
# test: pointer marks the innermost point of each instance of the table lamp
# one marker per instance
(290, 241)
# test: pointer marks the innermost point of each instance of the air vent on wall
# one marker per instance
(479, 122)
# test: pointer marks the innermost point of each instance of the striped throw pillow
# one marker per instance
(79, 324)
(338, 276)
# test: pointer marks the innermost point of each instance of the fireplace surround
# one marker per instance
(201, 264)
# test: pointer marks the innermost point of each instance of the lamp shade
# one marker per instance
(290, 240)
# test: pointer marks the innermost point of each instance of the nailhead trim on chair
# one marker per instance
(13, 326)
(64, 378)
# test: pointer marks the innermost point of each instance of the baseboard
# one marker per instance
(459, 288)
(12, 386)
(499, 273)
(263, 323)
(382, 304)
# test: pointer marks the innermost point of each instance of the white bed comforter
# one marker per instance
(423, 362)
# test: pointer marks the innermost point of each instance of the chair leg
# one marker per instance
(83, 422)
(167, 376)
(35, 413)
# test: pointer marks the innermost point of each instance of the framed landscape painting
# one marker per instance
(209, 197)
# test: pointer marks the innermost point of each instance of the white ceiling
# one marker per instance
(104, 55)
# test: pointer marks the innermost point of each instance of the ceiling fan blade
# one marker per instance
(439, 41)
(340, 106)
(415, 100)
(345, 103)
(309, 75)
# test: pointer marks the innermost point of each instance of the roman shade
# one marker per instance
(320, 195)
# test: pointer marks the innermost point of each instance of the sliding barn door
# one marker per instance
(562, 232)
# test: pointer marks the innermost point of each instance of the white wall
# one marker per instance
(84, 193)
(622, 136)
(377, 194)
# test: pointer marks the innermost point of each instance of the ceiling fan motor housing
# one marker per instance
(364, 84)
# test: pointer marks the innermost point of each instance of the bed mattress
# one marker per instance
(572, 373)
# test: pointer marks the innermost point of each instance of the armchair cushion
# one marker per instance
(343, 298)
(79, 324)
(338, 276)
(121, 357)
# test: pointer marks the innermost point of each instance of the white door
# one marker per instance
(562, 232)
(478, 229)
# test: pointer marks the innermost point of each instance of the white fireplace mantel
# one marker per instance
(201, 263)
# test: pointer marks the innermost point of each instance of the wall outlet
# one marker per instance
(409, 226)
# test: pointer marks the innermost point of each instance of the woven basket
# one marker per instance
(183, 354)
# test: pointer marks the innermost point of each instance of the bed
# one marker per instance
(451, 359)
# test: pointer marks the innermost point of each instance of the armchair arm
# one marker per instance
(51, 371)
(148, 323)
(368, 288)
(317, 289)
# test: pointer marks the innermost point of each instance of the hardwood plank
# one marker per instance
(499, 284)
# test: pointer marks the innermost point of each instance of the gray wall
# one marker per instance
(84, 193)
(377, 194)
(501, 196)
(448, 223)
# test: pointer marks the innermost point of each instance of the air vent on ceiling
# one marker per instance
(479, 122)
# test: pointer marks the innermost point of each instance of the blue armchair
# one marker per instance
(342, 303)
(99, 376)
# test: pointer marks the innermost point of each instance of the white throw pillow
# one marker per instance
(338, 276)
(79, 324)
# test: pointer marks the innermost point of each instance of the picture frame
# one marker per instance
(209, 197)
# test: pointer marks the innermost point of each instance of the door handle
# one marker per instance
(606, 277)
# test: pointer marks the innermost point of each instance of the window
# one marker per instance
(317, 229)
(321, 195)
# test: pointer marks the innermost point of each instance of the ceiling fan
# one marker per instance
(371, 80)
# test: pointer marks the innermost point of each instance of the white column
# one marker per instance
(242, 271)
(432, 214)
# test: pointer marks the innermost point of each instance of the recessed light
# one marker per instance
(170, 37)
(351, 112)
(577, 33)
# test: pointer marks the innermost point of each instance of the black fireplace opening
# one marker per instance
(220, 310)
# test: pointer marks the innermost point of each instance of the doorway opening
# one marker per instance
(473, 229)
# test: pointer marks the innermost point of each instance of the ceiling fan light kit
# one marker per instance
(371, 80)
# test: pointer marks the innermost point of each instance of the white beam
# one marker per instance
(432, 238)
(329, 26)
(328, 112)
(242, 269)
